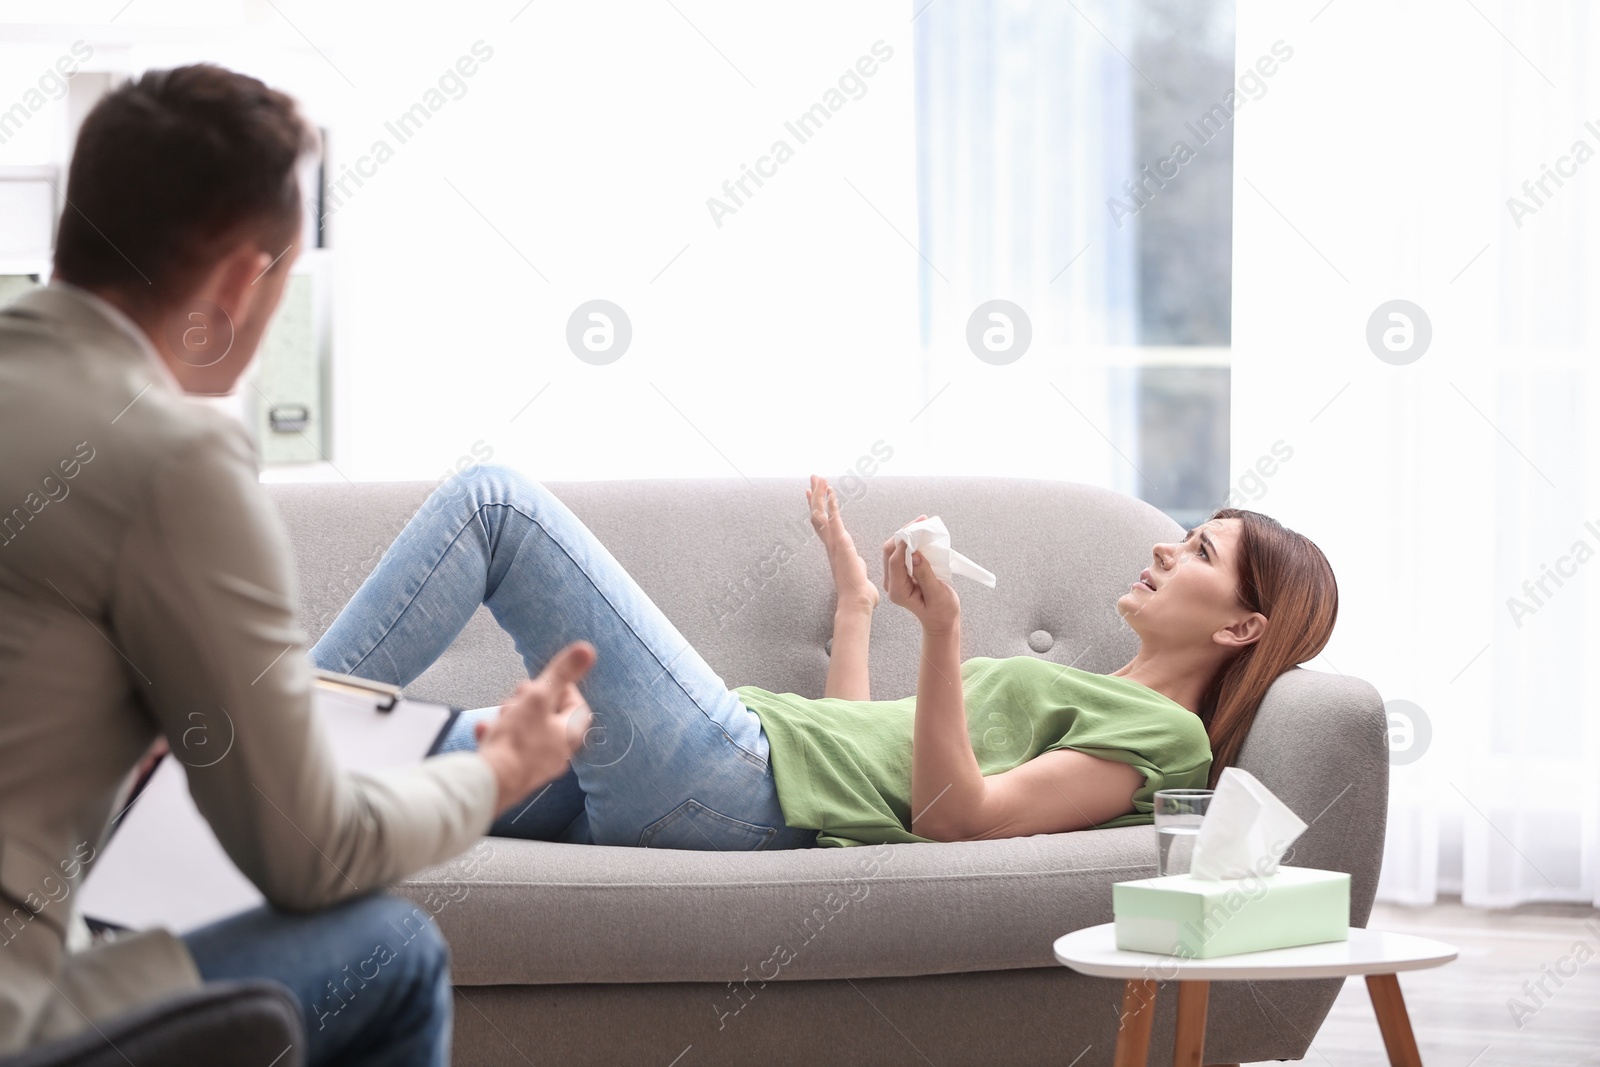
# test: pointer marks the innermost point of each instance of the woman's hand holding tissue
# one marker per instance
(927, 596)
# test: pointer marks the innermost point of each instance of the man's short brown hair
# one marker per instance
(171, 169)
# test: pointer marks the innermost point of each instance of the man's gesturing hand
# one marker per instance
(531, 742)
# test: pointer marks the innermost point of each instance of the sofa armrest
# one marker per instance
(1320, 742)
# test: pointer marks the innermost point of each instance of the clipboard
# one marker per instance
(161, 864)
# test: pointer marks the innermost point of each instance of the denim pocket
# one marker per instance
(692, 825)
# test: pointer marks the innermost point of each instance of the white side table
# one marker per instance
(1373, 953)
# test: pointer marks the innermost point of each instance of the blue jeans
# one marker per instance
(672, 759)
(372, 975)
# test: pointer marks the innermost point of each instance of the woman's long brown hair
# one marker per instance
(1285, 577)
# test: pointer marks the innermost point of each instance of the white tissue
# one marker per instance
(930, 537)
(1245, 832)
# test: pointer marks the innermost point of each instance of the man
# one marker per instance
(146, 590)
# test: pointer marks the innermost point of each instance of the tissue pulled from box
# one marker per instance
(930, 537)
(1246, 830)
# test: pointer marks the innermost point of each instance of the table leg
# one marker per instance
(1192, 998)
(1393, 1022)
(1133, 1033)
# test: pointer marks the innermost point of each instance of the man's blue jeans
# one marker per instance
(372, 975)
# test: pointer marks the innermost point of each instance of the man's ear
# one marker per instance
(1247, 631)
(233, 285)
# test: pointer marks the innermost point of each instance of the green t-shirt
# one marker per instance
(843, 767)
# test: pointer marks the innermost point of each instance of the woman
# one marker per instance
(987, 748)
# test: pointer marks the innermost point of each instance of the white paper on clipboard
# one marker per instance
(164, 867)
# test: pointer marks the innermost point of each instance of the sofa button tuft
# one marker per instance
(1040, 640)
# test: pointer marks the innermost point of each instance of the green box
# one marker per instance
(1199, 918)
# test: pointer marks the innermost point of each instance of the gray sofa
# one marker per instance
(899, 954)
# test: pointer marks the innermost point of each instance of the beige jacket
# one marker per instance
(146, 586)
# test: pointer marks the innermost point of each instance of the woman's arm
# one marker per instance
(947, 787)
(847, 662)
(946, 784)
(1052, 793)
(856, 597)
(951, 800)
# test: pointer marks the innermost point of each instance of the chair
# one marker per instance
(252, 1023)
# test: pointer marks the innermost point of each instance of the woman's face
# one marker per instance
(1192, 588)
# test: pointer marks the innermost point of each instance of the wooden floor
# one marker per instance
(1460, 1011)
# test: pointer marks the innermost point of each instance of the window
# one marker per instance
(1050, 174)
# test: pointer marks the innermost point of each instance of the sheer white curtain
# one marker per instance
(1457, 495)
(1025, 125)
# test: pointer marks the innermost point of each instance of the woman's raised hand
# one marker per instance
(850, 581)
(927, 596)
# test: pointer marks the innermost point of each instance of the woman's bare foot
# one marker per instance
(850, 581)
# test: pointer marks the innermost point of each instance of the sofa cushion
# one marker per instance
(535, 912)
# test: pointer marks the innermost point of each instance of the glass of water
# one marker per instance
(1178, 816)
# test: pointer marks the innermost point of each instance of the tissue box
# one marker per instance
(1194, 917)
